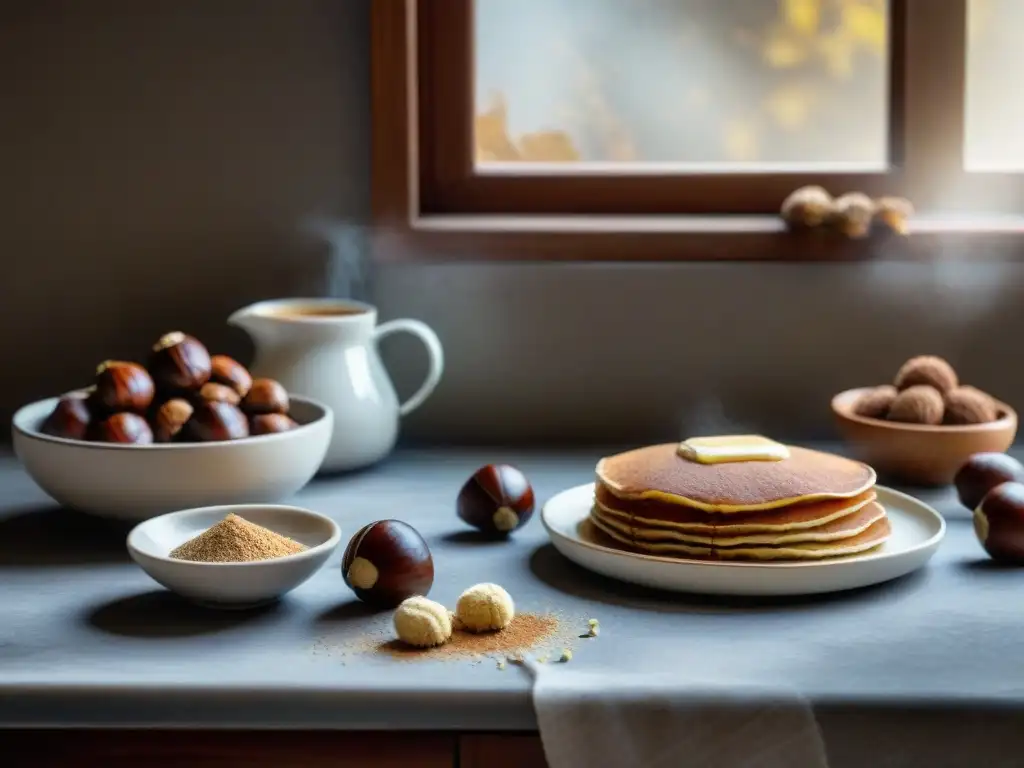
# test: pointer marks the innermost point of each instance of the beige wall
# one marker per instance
(162, 163)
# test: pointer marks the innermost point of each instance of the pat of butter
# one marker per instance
(732, 448)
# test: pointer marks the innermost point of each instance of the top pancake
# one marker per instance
(658, 472)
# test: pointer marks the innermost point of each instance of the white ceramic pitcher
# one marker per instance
(327, 349)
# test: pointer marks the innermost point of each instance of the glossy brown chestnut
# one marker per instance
(213, 421)
(982, 472)
(179, 363)
(220, 393)
(999, 523)
(229, 372)
(127, 428)
(266, 396)
(170, 420)
(70, 418)
(387, 562)
(269, 423)
(122, 386)
(497, 499)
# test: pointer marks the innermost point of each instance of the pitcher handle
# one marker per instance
(434, 351)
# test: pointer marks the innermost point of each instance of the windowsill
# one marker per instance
(699, 225)
(434, 238)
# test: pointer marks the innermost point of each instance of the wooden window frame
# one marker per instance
(430, 201)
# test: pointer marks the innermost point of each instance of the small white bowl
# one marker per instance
(233, 585)
(137, 482)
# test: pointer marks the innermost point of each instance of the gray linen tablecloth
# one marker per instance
(669, 720)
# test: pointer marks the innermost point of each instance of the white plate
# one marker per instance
(917, 530)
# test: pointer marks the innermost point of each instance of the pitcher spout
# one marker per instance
(257, 323)
(243, 318)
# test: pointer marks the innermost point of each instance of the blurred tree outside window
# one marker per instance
(720, 83)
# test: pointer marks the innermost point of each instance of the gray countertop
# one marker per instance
(86, 638)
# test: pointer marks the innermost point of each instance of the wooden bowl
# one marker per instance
(919, 454)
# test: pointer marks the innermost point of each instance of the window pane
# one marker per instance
(995, 101)
(707, 82)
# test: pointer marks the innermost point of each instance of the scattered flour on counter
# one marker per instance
(545, 636)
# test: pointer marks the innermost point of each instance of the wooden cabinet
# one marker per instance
(501, 751)
(226, 749)
(263, 749)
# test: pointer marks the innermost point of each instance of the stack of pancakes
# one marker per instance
(802, 505)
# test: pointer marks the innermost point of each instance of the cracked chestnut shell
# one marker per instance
(70, 418)
(213, 421)
(179, 363)
(229, 372)
(386, 562)
(497, 499)
(124, 428)
(982, 472)
(999, 523)
(122, 386)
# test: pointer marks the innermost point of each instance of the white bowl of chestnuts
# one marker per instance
(182, 429)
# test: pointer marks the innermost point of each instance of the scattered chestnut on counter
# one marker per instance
(982, 472)
(266, 396)
(386, 562)
(269, 423)
(227, 371)
(70, 418)
(126, 428)
(999, 523)
(497, 499)
(170, 419)
(179, 363)
(220, 393)
(213, 421)
(122, 386)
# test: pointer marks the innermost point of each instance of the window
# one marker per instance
(674, 129)
(995, 102)
(684, 85)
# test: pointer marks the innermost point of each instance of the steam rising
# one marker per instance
(708, 417)
(346, 271)
(952, 291)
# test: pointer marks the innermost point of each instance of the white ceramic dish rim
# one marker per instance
(824, 563)
(31, 434)
(238, 509)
